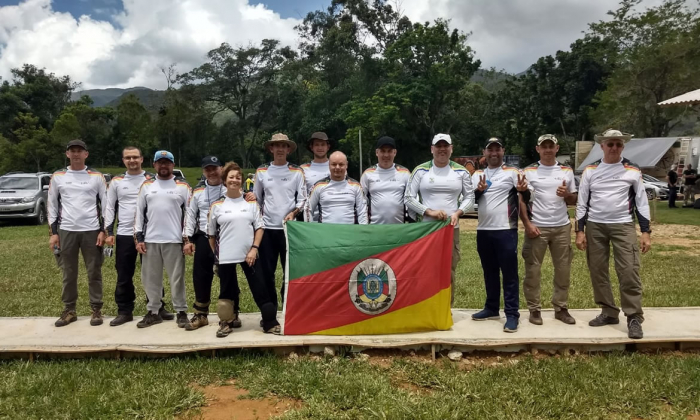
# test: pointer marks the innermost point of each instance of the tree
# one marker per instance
(94, 126)
(658, 56)
(134, 126)
(32, 147)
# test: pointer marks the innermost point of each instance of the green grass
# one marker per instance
(614, 386)
(663, 215)
(30, 281)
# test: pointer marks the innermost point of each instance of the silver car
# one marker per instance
(24, 196)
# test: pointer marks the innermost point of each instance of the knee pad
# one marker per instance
(224, 308)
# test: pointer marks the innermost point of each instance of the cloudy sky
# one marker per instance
(123, 43)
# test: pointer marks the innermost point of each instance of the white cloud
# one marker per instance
(513, 34)
(144, 37)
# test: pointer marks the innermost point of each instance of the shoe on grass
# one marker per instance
(67, 316)
(603, 319)
(149, 319)
(121, 319)
(485, 314)
(536, 317)
(165, 315)
(634, 328)
(182, 319)
(511, 325)
(197, 321)
(224, 329)
(565, 317)
(96, 317)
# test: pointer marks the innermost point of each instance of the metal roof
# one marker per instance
(644, 152)
(684, 99)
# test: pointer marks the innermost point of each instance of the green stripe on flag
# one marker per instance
(316, 247)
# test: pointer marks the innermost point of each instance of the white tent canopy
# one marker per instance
(644, 152)
(684, 99)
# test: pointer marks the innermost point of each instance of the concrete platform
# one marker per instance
(675, 328)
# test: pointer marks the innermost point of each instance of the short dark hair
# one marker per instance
(132, 148)
(230, 166)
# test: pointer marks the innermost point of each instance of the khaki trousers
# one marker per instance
(623, 238)
(85, 243)
(455, 260)
(558, 240)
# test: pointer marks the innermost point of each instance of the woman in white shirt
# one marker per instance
(235, 229)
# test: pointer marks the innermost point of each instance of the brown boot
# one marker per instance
(236, 323)
(96, 318)
(67, 316)
(565, 317)
(197, 321)
(536, 317)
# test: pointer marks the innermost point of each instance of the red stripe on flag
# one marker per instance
(322, 300)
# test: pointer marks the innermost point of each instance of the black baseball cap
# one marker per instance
(386, 141)
(76, 142)
(493, 140)
(210, 161)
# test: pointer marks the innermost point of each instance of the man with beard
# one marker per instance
(121, 206)
(384, 186)
(280, 190)
(338, 199)
(434, 190)
(161, 207)
(497, 192)
(318, 168)
(547, 225)
(612, 189)
(195, 230)
(76, 226)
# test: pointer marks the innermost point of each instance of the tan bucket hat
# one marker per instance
(281, 138)
(613, 134)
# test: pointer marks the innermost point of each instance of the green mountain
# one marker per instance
(102, 97)
(152, 100)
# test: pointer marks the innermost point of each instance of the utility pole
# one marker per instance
(360, 151)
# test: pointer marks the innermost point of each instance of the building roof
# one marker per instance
(684, 99)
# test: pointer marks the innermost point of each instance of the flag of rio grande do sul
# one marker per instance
(367, 279)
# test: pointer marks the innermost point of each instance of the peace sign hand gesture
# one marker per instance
(522, 183)
(482, 185)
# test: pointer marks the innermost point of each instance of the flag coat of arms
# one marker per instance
(367, 279)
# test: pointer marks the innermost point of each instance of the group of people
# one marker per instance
(690, 183)
(225, 226)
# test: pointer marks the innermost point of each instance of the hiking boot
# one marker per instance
(121, 319)
(511, 325)
(67, 316)
(236, 323)
(149, 319)
(485, 314)
(536, 317)
(197, 321)
(96, 318)
(224, 329)
(634, 328)
(276, 330)
(182, 319)
(565, 317)
(165, 315)
(603, 319)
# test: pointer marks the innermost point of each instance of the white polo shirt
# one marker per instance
(233, 221)
(548, 209)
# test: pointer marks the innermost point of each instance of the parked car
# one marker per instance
(178, 174)
(24, 196)
(660, 187)
(108, 177)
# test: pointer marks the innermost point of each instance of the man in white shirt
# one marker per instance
(384, 186)
(338, 199)
(121, 208)
(611, 190)
(196, 231)
(547, 225)
(75, 198)
(280, 190)
(498, 191)
(161, 207)
(434, 190)
(318, 168)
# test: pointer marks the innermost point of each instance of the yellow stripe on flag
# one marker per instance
(423, 316)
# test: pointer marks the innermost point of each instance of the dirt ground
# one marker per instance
(228, 402)
(677, 235)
